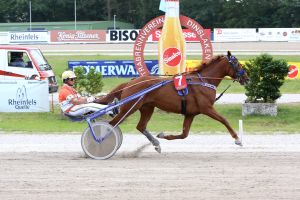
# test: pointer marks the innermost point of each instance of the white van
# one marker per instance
(18, 62)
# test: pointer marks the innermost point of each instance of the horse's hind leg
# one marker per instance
(188, 119)
(146, 113)
(215, 115)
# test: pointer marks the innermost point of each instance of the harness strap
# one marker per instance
(210, 86)
(200, 77)
(202, 83)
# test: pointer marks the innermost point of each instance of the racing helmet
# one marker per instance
(68, 74)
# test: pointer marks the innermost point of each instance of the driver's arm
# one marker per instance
(78, 101)
(82, 100)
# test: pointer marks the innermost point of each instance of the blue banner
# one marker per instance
(110, 68)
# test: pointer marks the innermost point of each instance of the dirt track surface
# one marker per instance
(150, 176)
(53, 166)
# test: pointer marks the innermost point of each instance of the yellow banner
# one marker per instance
(294, 72)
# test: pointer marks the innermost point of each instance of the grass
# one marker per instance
(287, 121)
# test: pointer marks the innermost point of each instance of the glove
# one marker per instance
(90, 99)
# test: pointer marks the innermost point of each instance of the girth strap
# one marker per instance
(183, 105)
(183, 93)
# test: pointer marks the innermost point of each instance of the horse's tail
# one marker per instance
(115, 93)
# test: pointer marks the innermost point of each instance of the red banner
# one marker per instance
(78, 36)
(189, 35)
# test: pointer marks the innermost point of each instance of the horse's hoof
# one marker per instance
(158, 149)
(238, 142)
(161, 135)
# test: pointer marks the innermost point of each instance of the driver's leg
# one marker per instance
(80, 110)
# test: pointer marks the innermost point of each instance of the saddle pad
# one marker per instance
(180, 82)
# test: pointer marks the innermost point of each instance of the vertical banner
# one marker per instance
(24, 96)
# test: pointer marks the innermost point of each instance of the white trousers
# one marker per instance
(80, 110)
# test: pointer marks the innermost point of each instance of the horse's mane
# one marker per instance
(204, 65)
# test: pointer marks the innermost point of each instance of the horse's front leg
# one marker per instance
(188, 119)
(211, 112)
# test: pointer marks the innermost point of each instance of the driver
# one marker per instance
(17, 59)
(72, 103)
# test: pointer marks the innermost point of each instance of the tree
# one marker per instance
(89, 84)
(266, 76)
(209, 13)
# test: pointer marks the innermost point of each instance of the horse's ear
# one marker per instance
(228, 54)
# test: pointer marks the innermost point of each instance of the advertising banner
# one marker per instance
(85, 36)
(189, 35)
(279, 34)
(24, 96)
(3, 37)
(109, 68)
(294, 34)
(273, 34)
(29, 37)
(294, 68)
(235, 35)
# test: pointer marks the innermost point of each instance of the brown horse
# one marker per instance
(200, 99)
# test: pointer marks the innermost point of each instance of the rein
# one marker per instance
(199, 83)
(220, 95)
(231, 60)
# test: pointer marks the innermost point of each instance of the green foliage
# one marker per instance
(209, 13)
(89, 84)
(266, 76)
(287, 121)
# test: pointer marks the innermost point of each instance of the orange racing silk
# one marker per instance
(66, 94)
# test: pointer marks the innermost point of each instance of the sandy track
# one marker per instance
(38, 167)
(216, 175)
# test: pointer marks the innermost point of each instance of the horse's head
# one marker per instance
(236, 69)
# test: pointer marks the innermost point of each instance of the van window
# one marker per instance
(19, 59)
(40, 60)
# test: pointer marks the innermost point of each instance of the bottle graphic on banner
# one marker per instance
(171, 46)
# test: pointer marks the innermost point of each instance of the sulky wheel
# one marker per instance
(117, 128)
(109, 144)
(119, 132)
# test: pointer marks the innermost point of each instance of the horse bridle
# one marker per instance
(235, 64)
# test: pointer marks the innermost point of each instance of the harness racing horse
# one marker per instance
(202, 84)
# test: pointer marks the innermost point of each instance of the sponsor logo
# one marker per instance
(189, 35)
(24, 36)
(15, 37)
(79, 35)
(154, 70)
(21, 102)
(293, 71)
(172, 56)
(123, 35)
